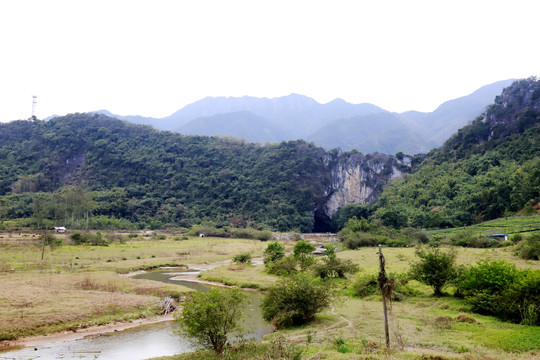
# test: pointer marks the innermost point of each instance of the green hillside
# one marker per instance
(147, 176)
(488, 169)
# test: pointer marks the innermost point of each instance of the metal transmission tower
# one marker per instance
(34, 102)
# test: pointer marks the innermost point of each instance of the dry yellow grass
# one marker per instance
(78, 286)
(37, 303)
(133, 255)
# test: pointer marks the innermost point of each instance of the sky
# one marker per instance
(153, 57)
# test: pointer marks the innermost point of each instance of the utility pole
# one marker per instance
(383, 283)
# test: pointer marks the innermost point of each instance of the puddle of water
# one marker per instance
(144, 341)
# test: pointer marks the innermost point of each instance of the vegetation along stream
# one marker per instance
(141, 342)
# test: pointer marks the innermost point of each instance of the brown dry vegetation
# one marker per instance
(79, 286)
(43, 302)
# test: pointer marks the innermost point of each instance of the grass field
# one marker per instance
(79, 286)
(511, 225)
(421, 327)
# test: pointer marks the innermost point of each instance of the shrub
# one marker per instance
(368, 284)
(282, 267)
(487, 277)
(50, 240)
(530, 248)
(244, 233)
(360, 239)
(341, 345)
(365, 285)
(468, 238)
(435, 268)
(295, 301)
(498, 288)
(274, 251)
(516, 238)
(335, 268)
(89, 238)
(76, 238)
(281, 349)
(211, 317)
(242, 258)
(264, 235)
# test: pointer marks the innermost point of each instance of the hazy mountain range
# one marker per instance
(337, 124)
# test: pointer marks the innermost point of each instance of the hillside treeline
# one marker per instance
(156, 178)
(488, 169)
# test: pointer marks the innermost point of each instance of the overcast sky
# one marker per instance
(153, 57)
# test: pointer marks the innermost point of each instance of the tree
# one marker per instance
(435, 268)
(210, 317)
(273, 252)
(302, 252)
(295, 301)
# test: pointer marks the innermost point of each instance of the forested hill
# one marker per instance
(146, 176)
(488, 169)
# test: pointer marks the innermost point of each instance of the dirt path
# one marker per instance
(337, 325)
(349, 322)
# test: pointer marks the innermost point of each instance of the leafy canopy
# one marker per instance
(210, 317)
(295, 301)
(436, 268)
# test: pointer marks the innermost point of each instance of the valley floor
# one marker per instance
(77, 287)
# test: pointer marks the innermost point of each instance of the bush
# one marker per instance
(361, 239)
(242, 258)
(89, 238)
(498, 288)
(435, 268)
(50, 240)
(332, 267)
(273, 252)
(264, 235)
(211, 317)
(282, 267)
(365, 285)
(368, 284)
(76, 238)
(295, 301)
(468, 238)
(244, 233)
(530, 248)
(488, 277)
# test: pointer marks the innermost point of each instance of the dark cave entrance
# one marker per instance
(323, 223)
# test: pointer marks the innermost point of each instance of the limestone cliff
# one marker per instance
(359, 178)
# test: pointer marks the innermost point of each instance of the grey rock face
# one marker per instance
(359, 178)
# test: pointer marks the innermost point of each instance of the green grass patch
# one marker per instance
(510, 225)
(241, 275)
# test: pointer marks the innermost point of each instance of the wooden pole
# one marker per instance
(383, 282)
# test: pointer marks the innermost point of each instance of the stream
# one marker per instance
(141, 342)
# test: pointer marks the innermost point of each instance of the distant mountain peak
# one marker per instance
(297, 116)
